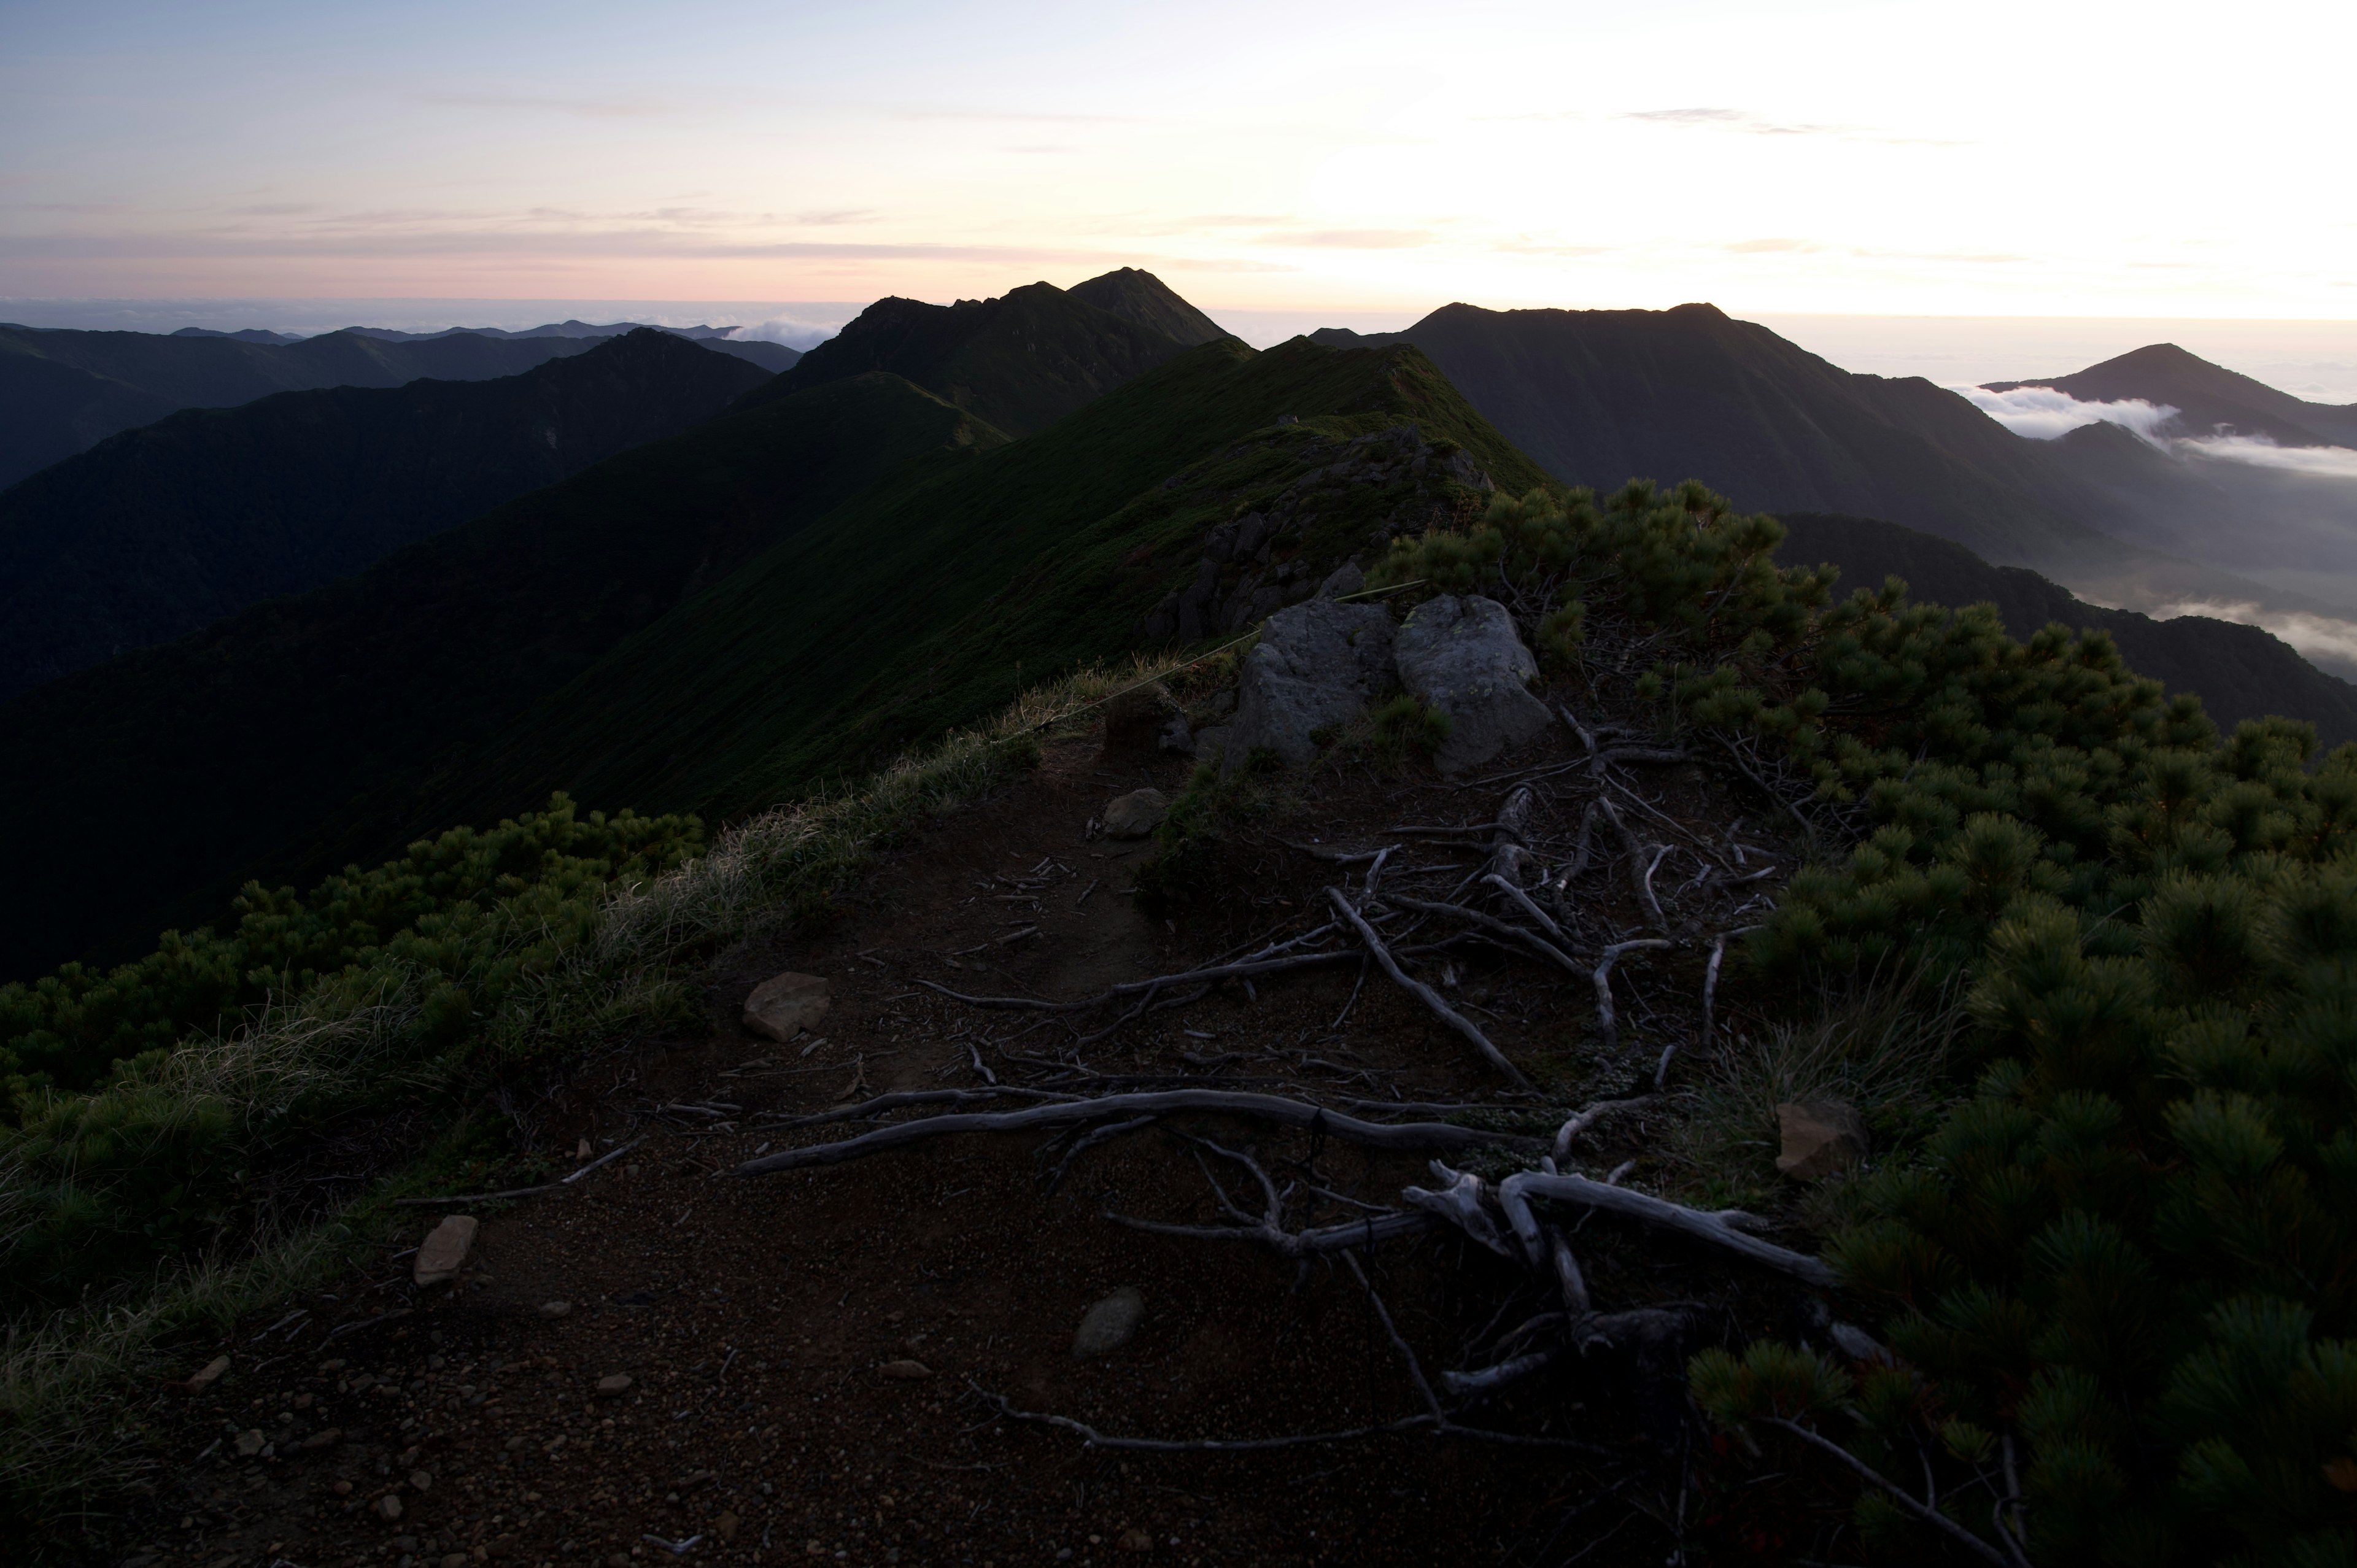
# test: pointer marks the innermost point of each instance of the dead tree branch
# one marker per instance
(1427, 995)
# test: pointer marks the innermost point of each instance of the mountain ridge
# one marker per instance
(161, 529)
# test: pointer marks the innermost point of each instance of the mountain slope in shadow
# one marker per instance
(2239, 671)
(158, 530)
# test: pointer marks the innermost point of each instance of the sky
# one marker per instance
(2058, 159)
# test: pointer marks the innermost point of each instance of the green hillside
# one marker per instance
(1021, 362)
(158, 530)
(931, 599)
(293, 736)
(1142, 297)
(64, 391)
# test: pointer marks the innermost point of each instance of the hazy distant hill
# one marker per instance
(160, 530)
(2206, 396)
(1021, 362)
(62, 392)
(2238, 671)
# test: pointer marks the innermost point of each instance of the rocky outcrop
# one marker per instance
(1252, 567)
(1315, 667)
(1464, 657)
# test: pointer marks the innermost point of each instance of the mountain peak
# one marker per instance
(1140, 296)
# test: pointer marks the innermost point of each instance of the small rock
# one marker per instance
(456, 1560)
(420, 1480)
(554, 1309)
(249, 1443)
(1137, 814)
(583, 1152)
(724, 1527)
(619, 1559)
(326, 1438)
(614, 1385)
(388, 1508)
(1465, 658)
(907, 1372)
(342, 1488)
(1178, 738)
(1109, 1325)
(1821, 1137)
(209, 1374)
(444, 1252)
(1134, 1541)
(785, 1005)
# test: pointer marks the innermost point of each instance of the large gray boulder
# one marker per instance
(1315, 667)
(1464, 657)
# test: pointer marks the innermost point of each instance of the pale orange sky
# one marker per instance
(2059, 159)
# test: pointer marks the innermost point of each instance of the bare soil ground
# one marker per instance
(812, 1356)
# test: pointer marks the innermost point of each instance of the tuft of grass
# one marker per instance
(1886, 1047)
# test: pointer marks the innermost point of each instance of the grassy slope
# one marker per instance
(158, 530)
(1141, 296)
(1021, 362)
(299, 734)
(931, 599)
(2238, 671)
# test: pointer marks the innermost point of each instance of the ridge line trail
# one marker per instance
(767, 1324)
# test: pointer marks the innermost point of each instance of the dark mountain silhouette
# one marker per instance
(63, 391)
(2238, 671)
(1142, 297)
(163, 529)
(1600, 395)
(1020, 361)
(298, 727)
(2207, 397)
(714, 621)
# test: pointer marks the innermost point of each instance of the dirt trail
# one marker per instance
(761, 1322)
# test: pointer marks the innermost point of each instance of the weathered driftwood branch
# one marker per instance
(1529, 938)
(1529, 908)
(1426, 994)
(1160, 982)
(1310, 1243)
(1461, 1203)
(1336, 856)
(1573, 1127)
(1606, 1020)
(1405, 1135)
(1721, 1229)
(901, 1101)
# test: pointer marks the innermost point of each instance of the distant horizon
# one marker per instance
(2311, 359)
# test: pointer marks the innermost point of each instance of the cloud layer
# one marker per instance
(2043, 414)
(2325, 639)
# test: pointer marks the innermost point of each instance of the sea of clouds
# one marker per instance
(2044, 413)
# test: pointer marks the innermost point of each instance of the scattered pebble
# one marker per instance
(554, 1309)
(208, 1375)
(249, 1443)
(613, 1385)
(907, 1371)
(388, 1508)
(1109, 1325)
